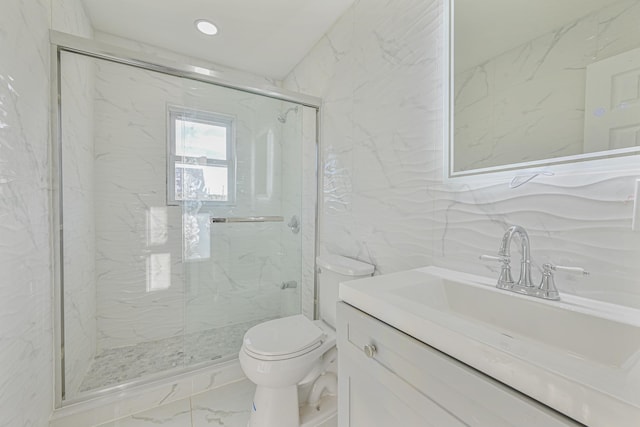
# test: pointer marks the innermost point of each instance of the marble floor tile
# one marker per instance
(175, 414)
(228, 406)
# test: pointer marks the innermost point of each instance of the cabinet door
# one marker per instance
(371, 396)
(407, 383)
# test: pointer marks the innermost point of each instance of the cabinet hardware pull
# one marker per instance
(370, 350)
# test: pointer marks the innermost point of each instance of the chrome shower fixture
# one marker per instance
(282, 118)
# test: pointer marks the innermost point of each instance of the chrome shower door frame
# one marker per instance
(62, 42)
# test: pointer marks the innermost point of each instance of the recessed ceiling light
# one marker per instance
(206, 27)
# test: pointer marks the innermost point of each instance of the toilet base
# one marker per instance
(275, 407)
(325, 414)
(273, 413)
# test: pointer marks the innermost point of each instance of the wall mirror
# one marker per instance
(541, 82)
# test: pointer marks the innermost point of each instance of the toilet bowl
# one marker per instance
(297, 346)
(284, 355)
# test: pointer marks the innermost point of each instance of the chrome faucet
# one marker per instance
(547, 288)
(524, 281)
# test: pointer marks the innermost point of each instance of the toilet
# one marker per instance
(291, 360)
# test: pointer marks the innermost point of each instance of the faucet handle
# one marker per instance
(503, 259)
(577, 270)
(505, 281)
(547, 288)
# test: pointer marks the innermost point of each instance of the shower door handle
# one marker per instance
(217, 220)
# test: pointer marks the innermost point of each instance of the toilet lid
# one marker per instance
(283, 336)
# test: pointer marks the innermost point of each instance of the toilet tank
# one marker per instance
(333, 269)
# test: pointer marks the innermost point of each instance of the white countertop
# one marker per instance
(577, 356)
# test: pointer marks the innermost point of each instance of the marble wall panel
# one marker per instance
(240, 280)
(26, 330)
(290, 170)
(299, 200)
(69, 16)
(138, 278)
(385, 199)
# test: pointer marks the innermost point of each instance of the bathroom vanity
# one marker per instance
(434, 347)
(388, 378)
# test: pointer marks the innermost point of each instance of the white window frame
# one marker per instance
(176, 113)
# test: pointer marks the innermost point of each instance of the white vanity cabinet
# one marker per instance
(389, 379)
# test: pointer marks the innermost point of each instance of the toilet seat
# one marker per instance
(283, 338)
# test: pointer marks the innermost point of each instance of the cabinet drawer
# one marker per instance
(466, 394)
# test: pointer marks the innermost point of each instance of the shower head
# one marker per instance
(282, 118)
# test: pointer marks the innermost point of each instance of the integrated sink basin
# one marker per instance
(577, 356)
(579, 334)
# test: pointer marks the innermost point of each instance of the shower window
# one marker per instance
(201, 157)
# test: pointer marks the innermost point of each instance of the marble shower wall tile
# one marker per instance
(69, 16)
(134, 227)
(381, 87)
(292, 167)
(26, 356)
(380, 72)
(299, 200)
(130, 172)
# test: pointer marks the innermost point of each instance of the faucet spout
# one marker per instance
(525, 265)
(547, 288)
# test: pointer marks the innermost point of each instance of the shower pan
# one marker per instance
(175, 191)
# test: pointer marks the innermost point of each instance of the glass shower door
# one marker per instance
(150, 285)
(242, 251)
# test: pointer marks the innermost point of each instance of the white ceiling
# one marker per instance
(487, 28)
(265, 37)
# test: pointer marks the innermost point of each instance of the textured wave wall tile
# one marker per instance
(385, 200)
(582, 220)
(26, 358)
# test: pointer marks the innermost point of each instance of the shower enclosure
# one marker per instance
(181, 213)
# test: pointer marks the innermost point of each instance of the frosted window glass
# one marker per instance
(200, 182)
